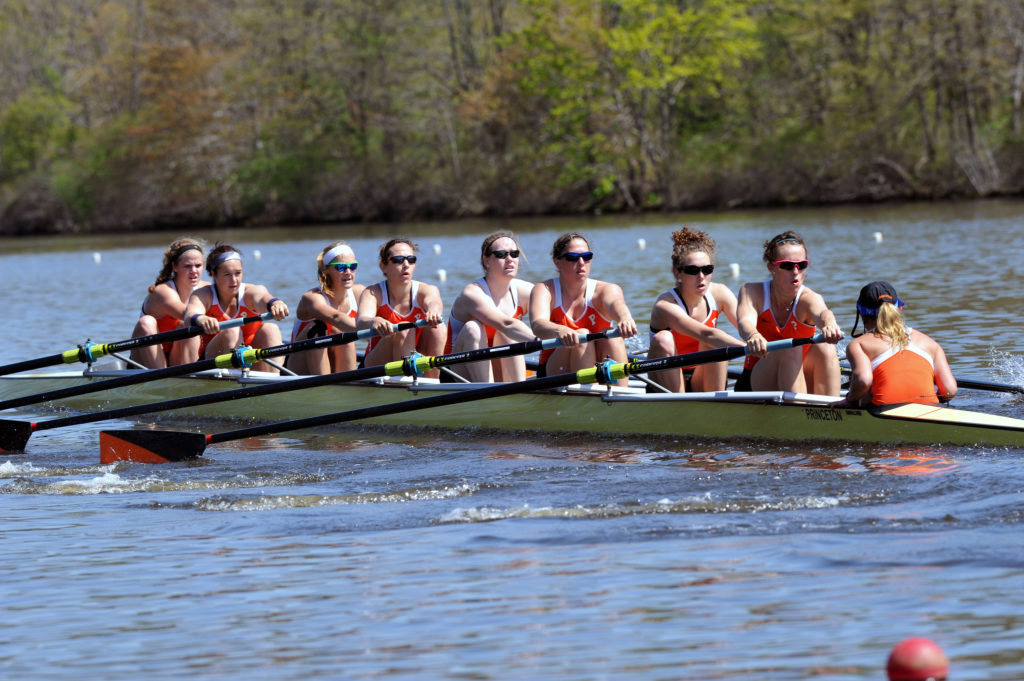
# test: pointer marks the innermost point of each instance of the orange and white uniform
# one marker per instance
(687, 344)
(167, 322)
(768, 327)
(904, 376)
(387, 312)
(591, 319)
(215, 311)
(301, 325)
(455, 324)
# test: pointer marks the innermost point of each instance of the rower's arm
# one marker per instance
(944, 380)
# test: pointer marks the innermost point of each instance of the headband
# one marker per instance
(330, 255)
(226, 256)
(187, 247)
(788, 238)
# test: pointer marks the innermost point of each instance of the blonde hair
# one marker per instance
(686, 241)
(321, 275)
(177, 248)
(889, 324)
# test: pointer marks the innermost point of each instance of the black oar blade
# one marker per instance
(14, 435)
(150, 446)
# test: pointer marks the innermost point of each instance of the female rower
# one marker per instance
(573, 302)
(164, 307)
(783, 307)
(229, 298)
(400, 298)
(892, 363)
(489, 311)
(328, 309)
(685, 318)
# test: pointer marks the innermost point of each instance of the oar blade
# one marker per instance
(150, 446)
(14, 435)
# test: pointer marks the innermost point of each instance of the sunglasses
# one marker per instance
(792, 264)
(343, 266)
(575, 257)
(501, 255)
(706, 270)
(399, 259)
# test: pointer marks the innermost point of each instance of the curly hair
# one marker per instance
(686, 241)
(177, 249)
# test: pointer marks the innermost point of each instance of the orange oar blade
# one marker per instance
(150, 446)
(14, 435)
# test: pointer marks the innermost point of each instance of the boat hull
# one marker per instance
(593, 409)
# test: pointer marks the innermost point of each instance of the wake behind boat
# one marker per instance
(615, 410)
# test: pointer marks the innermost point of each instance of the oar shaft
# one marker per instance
(499, 390)
(90, 352)
(398, 368)
(226, 361)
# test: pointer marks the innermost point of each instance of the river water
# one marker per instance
(370, 553)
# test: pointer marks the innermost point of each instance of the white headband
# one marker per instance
(330, 255)
(225, 256)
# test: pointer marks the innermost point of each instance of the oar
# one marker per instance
(239, 359)
(90, 352)
(154, 446)
(14, 435)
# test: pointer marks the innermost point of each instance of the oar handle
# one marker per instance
(249, 356)
(638, 366)
(90, 352)
(417, 365)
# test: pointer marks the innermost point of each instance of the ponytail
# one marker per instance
(890, 325)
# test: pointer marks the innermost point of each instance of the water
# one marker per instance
(374, 553)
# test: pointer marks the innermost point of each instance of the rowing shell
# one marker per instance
(593, 408)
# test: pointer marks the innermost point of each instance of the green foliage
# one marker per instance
(33, 128)
(140, 112)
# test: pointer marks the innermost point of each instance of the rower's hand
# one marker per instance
(569, 337)
(382, 327)
(279, 309)
(209, 325)
(757, 345)
(433, 319)
(833, 334)
(627, 327)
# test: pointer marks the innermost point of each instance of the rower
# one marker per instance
(572, 302)
(400, 298)
(890, 362)
(228, 298)
(327, 309)
(489, 312)
(783, 307)
(685, 318)
(164, 306)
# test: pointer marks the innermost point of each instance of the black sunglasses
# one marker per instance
(706, 270)
(575, 257)
(399, 259)
(504, 254)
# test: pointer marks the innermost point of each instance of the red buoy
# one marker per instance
(917, 659)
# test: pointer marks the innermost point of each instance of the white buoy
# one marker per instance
(442, 276)
(97, 257)
(256, 255)
(641, 243)
(437, 249)
(878, 237)
(735, 269)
